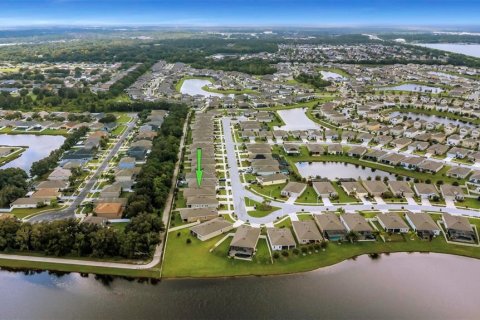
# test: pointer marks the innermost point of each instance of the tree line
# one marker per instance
(72, 238)
(13, 185)
(155, 179)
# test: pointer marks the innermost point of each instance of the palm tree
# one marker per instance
(353, 236)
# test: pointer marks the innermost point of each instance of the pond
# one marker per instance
(339, 170)
(467, 49)
(397, 286)
(412, 88)
(38, 148)
(328, 75)
(296, 119)
(193, 87)
(443, 75)
(430, 118)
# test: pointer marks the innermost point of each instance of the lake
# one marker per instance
(412, 88)
(193, 87)
(296, 119)
(397, 286)
(38, 148)
(467, 49)
(430, 118)
(339, 170)
(328, 75)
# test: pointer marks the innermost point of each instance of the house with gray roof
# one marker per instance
(400, 188)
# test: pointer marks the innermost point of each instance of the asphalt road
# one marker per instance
(69, 212)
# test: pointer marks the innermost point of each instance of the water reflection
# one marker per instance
(38, 148)
(400, 286)
(339, 170)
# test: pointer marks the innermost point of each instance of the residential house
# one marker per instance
(306, 232)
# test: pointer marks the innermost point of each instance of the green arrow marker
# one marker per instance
(199, 170)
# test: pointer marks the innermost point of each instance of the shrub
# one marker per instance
(189, 241)
(285, 253)
(276, 255)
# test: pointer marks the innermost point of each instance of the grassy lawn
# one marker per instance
(261, 210)
(469, 203)
(309, 196)
(269, 191)
(148, 273)
(180, 201)
(22, 213)
(123, 118)
(119, 130)
(195, 260)
(120, 226)
(12, 156)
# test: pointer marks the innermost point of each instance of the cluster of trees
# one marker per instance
(314, 80)
(109, 118)
(44, 165)
(69, 237)
(155, 179)
(13, 185)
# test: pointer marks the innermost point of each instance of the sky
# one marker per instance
(321, 13)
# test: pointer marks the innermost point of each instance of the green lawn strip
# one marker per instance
(262, 210)
(34, 265)
(123, 118)
(12, 156)
(119, 130)
(24, 212)
(195, 260)
(180, 201)
(473, 203)
(308, 196)
(272, 191)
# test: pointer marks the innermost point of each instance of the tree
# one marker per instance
(353, 236)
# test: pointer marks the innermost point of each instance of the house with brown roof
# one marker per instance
(392, 222)
(425, 191)
(109, 210)
(293, 189)
(211, 228)
(356, 223)
(197, 214)
(280, 239)
(330, 226)
(354, 188)
(306, 232)
(244, 242)
(458, 228)
(375, 188)
(450, 192)
(400, 188)
(422, 224)
(324, 189)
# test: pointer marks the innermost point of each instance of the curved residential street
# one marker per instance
(240, 193)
